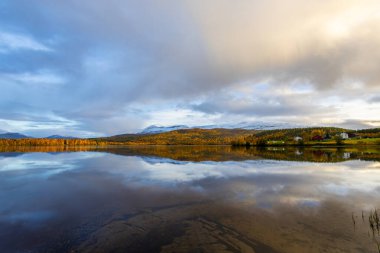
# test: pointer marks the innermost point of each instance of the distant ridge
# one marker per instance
(153, 129)
(258, 125)
(13, 136)
(23, 136)
(60, 137)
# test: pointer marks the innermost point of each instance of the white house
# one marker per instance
(297, 138)
(344, 135)
(346, 155)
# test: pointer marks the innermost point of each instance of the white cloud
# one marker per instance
(39, 78)
(12, 41)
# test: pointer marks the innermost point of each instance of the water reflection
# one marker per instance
(216, 153)
(171, 199)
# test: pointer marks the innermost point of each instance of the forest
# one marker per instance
(51, 142)
(220, 136)
(196, 136)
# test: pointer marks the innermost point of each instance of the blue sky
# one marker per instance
(92, 68)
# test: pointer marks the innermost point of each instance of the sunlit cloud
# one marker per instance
(118, 67)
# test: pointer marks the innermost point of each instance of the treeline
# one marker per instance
(50, 149)
(371, 130)
(369, 133)
(50, 142)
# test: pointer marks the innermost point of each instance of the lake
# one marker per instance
(189, 199)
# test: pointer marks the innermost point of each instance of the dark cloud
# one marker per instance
(375, 99)
(258, 108)
(358, 124)
(264, 106)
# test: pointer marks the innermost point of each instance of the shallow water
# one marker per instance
(188, 199)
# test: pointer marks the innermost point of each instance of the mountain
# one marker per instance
(13, 136)
(22, 136)
(60, 137)
(256, 125)
(161, 129)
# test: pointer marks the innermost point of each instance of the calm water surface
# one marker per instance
(188, 199)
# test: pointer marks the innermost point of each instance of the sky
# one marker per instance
(94, 68)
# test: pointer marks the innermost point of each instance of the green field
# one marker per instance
(367, 141)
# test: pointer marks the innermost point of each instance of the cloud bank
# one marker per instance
(95, 68)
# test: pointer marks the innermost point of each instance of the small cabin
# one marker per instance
(344, 135)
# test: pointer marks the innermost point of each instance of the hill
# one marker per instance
(13, 136)
(194, 136)
(312, 136)
(222, 136)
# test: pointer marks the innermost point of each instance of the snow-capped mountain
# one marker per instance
(257, 125)
(260, 125)
(60, 137)
(160, 129)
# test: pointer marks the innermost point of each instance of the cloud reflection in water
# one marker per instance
(39, 191)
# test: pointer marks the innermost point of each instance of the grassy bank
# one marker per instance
(331, 142)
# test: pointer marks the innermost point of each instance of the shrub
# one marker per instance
(261, 142)
(339, 140)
